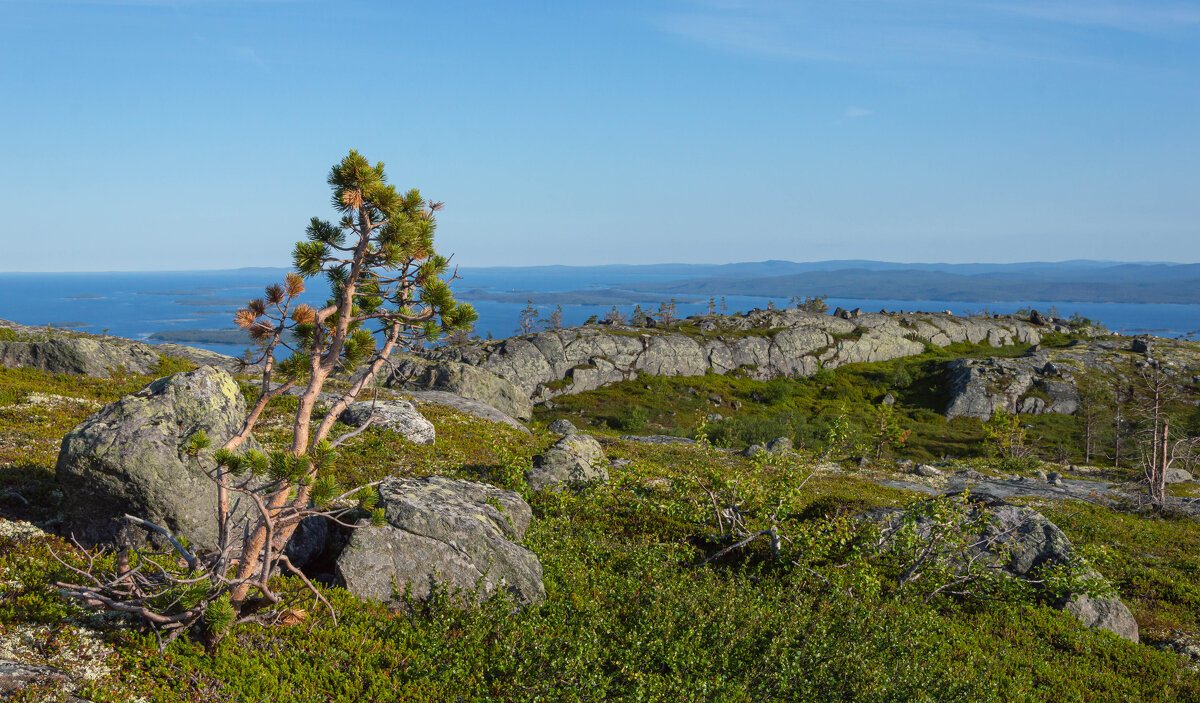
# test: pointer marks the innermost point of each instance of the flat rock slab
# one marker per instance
(657, 439)
(15, 677)
(468, 406)
(446, 534)
(1067, 489)
(399, 416)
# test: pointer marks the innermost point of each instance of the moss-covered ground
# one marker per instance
(631, 612)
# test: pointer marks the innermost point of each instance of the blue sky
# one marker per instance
(144, 134)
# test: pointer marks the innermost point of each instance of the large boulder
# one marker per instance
(1021, 542)
(1177, 476)
(573, 459)
(443, 533)
(562, 426)
(129, 458)
(76, 353)
(1028, 385)
(399, 416)
(1103, 614)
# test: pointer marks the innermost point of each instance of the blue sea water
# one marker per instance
(138, 304)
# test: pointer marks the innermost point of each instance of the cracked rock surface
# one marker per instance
(443, 533)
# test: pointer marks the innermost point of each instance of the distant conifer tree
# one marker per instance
(639, 318)
(667, 313)
(555, 319)
(527, 320)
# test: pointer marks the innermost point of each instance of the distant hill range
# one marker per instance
(1063, 281)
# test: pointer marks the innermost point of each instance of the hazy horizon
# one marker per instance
(1105, 262)
(141, 134)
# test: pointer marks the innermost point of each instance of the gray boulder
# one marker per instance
(77, 353)
(574, 459)
(927, 471)
(1104, 614)
(129, 458)
(562, 426)
(753, 450)
(1177, 476)
(1026, 542)
(443, 533)
(780, 445)
(1028, 385)
(308, 541)
(399, 416)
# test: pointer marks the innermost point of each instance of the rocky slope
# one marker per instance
(513, 374)
(63, 351)
(1046, 380)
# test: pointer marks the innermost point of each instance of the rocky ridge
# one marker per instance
(70, 352)
(512, 374)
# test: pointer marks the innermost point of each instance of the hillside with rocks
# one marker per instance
(516, 373)
(523, 522)
(66, 351)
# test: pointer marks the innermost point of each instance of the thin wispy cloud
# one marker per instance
(878, 31)
(249, 55)
(854, 112)
(1141, 17)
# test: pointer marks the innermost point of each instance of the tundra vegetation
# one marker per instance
(692, 572)
(633, 608)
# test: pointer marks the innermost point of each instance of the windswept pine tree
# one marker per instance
(390, 290)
